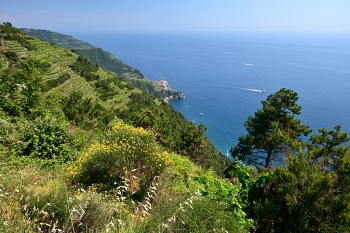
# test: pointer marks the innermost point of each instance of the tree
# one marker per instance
(301, 197)
(272, 131)
(329, 146)
(21, 88)
(82, 111)
(309, 194)
(30, 77)
(7, 24)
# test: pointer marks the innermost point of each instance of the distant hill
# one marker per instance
(105, 60)
(61, 40)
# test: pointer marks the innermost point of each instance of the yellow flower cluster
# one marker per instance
(126, 148)
(74, 168)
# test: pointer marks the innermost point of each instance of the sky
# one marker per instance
(178, 15)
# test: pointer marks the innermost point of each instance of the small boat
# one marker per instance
(201, 114)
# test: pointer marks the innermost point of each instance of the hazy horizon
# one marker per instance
(179, 16)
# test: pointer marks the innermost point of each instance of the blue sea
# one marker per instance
(226, 76)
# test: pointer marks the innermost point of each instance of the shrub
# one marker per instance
(202, 214)
(127, 152)
(46, 140)
(222, 191)
(52, 83)
(47, 206)
(81, 111)
(85, 68)
(301, 197)
(43, 139)
(11, 55)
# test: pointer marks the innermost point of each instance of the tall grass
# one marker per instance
(177, 197)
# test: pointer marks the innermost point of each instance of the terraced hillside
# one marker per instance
(104, 59)
(59, 62)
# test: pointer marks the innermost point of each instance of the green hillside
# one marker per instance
(70, 79)
(83, 150)
(63, 41)
(104, 59)
(60, 112)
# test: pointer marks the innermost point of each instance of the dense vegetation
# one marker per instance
(82, 150)
(103, 59)
(302, 186)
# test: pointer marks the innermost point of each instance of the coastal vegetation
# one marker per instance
(84, 150)
(302, 185)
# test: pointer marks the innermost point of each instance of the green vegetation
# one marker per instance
(103, 59)
(308, 188)
(56, 110)
(272, 131)
(63, 41)
(127, 151)
(82, 150)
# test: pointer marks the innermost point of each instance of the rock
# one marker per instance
(173, 94)
(163, 84)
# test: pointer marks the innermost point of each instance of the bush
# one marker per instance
(85, 68)
(45, 140)
(222, 191)
(211, 209)
(128, 152)
(81, 111)
(11, 55)
(47, 206)
(52, 83)
(301, 197)
(202, 215)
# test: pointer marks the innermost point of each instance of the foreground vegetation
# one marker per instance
(126, 183)
(82, 150)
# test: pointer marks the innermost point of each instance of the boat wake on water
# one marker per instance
(254, 90)
(247, 64)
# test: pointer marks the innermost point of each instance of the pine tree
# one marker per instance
(272, 131)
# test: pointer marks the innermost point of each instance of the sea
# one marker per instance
(225, 76)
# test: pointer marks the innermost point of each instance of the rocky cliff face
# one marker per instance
(173, 94)
(163, 84)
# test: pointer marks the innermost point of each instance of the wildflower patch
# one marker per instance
(126, 151)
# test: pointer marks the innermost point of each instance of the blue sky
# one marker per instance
(178, 15)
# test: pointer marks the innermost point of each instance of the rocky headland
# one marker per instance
(172, 94)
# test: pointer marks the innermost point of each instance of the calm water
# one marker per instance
(221, 75)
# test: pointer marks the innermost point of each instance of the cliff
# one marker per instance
(172, 94)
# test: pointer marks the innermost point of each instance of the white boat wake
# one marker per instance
(254, 90)
(247, 64)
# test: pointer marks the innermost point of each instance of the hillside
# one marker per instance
(59, 113)
(83, 150)
(72, 80)
(105, 60)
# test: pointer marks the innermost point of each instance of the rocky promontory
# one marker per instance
(172, 94)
